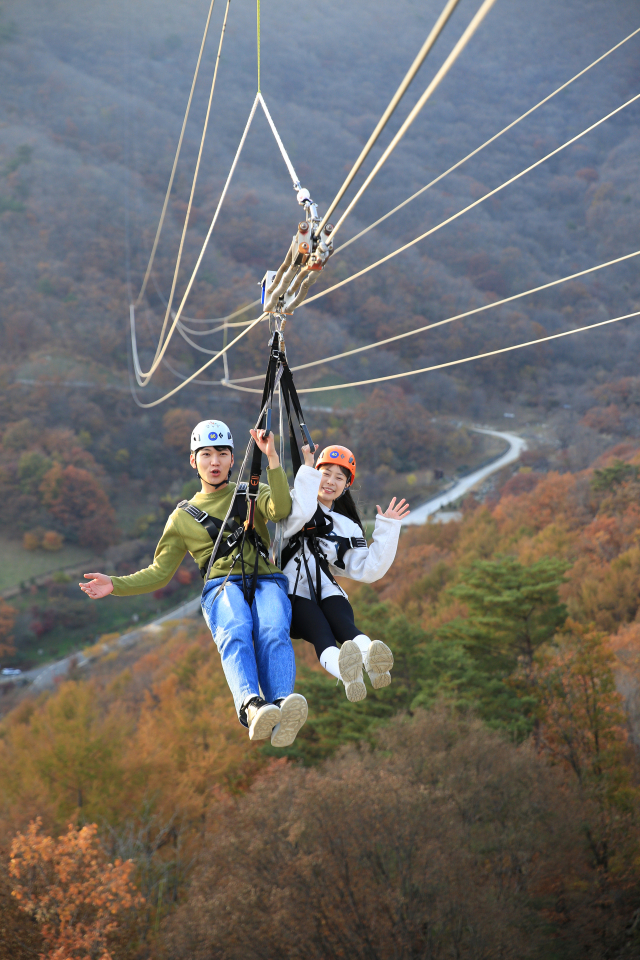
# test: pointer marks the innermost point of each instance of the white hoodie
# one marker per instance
(362, 563)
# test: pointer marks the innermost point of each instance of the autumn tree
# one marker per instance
(389, 429)
(77, 500)
(7, 620)
(584, 728)
(177, 425)
(76, 896)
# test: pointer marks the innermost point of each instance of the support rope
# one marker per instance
(393, 103)
(258, 40)
(175, 161)
(192, 377)
(458, 316)
(285, 155)
(194, 182)
(440, 75)
(471, 206)
(449, 363)
(491, 140)
(143, 378)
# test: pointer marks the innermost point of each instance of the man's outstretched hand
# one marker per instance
(100, 585)
(394, 512)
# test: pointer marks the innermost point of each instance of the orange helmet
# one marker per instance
(341, 456)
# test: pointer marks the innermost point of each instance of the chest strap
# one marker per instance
(320, 527)
(235, 525)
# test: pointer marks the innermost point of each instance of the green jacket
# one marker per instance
(183, 534)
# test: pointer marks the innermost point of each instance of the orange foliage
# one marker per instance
(603, 419)
(76, 896)
(177, 425)
(76, 498)
(7, 620)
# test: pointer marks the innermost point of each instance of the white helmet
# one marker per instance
(211, 433)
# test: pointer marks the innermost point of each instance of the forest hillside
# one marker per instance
(487, 803)
(490, 795)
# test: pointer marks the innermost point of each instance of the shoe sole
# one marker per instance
(350, 666)
(293, 714)
(379, 660)
(264, 722)
(380, 680)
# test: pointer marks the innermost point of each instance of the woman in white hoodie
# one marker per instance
(331, 544)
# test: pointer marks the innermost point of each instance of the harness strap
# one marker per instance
(320, 527)
(213, 525)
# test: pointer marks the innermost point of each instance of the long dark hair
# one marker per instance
(346, 505)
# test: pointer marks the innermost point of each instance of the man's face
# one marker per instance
(213, 464)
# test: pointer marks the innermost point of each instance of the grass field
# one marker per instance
(111, 615)
(18, 565)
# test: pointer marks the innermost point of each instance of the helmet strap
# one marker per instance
(216, 486)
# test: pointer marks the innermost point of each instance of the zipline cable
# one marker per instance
(486, 143)
(440, 75)
(140, 376)
(450, 363)
(471, 206)
(458, 316)
(143, 378)
(510, 126)
(175, 161)
(192, 377)
(393, 103)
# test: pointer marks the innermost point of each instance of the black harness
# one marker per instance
(238, 534)
(320, 527)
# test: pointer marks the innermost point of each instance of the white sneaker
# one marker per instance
(261, 718)
(293, 712)
(350, 666)
(378, 661)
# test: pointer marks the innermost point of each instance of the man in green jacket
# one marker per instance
(250, 631)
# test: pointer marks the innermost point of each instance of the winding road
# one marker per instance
(426, 510)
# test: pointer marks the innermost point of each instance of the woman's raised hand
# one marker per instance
(100, 585)
(308, 456)
(395, 512)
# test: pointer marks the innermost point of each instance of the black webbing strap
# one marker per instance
(277, 373)
(212, 525)
(278, 361)
(320, 527)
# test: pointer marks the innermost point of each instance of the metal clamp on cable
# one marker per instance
(286, 288)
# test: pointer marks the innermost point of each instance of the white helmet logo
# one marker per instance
(213, 436)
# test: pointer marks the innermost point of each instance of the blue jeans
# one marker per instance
(254, 643)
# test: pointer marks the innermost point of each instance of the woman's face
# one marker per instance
(332, 483)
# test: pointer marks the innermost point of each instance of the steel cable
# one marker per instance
(449, 363)
(393, 103)
(470, 206)
(491, 140)
(440, 75)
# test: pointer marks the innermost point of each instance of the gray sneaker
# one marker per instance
(350, 666)
(378, 661)
(261, 718)
(293, 714)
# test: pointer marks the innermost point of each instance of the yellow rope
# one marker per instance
(449, 363)
(258, 38)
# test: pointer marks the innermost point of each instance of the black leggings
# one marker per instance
(324, 624)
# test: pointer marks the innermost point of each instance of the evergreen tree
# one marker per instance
(512, 610)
